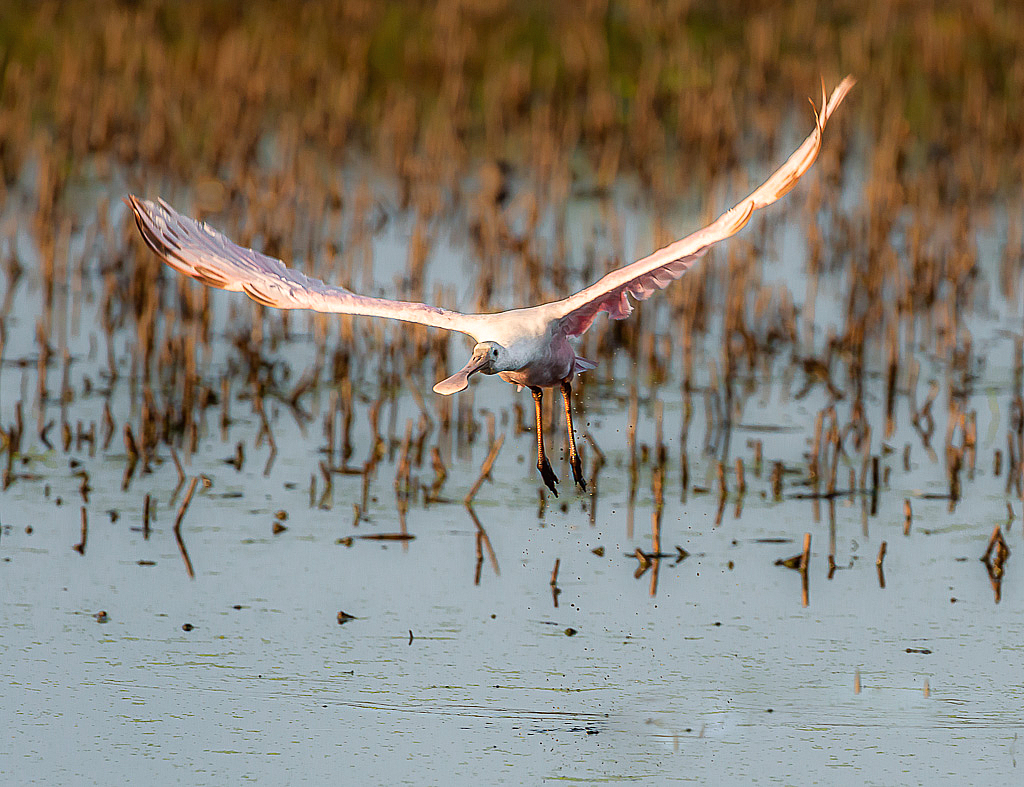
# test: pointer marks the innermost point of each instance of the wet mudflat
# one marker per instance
(235, 543)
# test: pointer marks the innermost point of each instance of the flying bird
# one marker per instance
(530, 347)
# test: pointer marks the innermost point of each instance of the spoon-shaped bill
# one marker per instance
(460, 380)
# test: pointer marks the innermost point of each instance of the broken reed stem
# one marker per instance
(805, 556)
(185, 503)
(482, 536)
(402, 475)
(184, 554)
(177, 527)
(80, 546)
(656, 548)
(177, 466)
(776, 481)
(485, 470)
(875, 462)
(440, 474)
(996, 544)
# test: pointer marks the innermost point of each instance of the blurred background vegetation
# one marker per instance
(668, 91)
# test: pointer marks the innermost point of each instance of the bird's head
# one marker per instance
(487, 358)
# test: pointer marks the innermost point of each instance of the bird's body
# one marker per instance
(530, 347)
(536, 353)
(552, 360)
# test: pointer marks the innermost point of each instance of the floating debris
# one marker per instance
(388, 537)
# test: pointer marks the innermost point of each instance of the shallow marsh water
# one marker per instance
(458, 667)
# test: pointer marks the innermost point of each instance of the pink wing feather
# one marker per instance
(642, 278)
(199, 251)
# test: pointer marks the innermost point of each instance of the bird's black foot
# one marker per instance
(546, 473)
(577, 473)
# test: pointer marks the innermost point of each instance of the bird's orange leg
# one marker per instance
(546, 473)
(574, 456)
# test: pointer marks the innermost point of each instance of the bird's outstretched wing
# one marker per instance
(196, 250)
(641, 278)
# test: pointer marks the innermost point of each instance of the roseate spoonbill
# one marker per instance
(529, 347)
